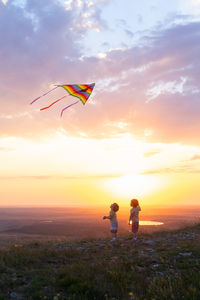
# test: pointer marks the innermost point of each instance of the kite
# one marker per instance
(81, 91)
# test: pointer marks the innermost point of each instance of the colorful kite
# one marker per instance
(81, 91)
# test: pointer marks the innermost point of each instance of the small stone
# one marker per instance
(13, 295)
(99, 245)
(150, 249)
(186, 254)
(149, 242)
(139, 268)
(79, 248)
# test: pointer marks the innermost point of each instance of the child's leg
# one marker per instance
(135, 227)
(114, 234)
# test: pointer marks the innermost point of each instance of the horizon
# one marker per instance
(102, 206)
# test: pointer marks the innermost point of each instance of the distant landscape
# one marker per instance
(50, 223)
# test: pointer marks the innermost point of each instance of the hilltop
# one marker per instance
(161, 265)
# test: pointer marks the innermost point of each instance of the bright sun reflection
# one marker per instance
(134, 185)
(149, 223)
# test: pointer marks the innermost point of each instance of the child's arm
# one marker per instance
(106, 217)
(131, 217)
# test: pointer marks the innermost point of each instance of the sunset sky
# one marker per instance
(138, 136)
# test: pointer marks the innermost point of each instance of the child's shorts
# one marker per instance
(113, 230)
(135, 227)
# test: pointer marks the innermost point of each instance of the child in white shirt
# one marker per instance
(113, 220)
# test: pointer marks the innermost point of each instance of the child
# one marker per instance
(134, 217)
(113, 220)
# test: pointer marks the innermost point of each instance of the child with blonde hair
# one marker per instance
(113, 220)
(134, 217)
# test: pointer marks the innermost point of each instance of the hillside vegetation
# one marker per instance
(161, 265)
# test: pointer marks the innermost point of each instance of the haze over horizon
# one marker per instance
(138, 134)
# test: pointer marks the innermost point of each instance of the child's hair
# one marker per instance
(115, 207)
(134, 203)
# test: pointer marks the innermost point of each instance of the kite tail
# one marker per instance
(67, 107)
(52, 103)
(43, 95)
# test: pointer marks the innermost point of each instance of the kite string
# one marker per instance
(67, 107)
(53, 103)
(44, 95)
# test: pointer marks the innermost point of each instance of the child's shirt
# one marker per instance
(113, 219)
(135, 213)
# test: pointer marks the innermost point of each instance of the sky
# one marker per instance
(138, 134)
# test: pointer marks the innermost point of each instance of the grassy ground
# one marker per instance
(162, 265)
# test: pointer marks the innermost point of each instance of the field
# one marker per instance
(54, 254)
(160, 265)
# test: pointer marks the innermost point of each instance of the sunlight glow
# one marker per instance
(112, 169)
(137, 185)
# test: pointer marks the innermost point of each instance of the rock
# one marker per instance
(149, 242)
(139, 268)
(150, 249)
(80, 248)
(13, 295)
(186, 254)
(99, 245)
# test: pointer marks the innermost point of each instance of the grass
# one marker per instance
(161, 265)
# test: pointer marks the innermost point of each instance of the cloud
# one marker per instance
(176, 170)
(6, 149)
(129, 33)
(39, 177)
(41, 46)
(34, 46)
(170, 58)
(195, 157)
(47, 177)
(149, 154)
(45, 47)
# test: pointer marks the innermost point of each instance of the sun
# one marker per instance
(136, 185)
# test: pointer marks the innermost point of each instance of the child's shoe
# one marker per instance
(134, 239)
(113, 239)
